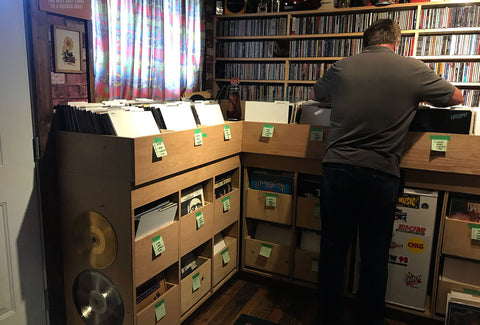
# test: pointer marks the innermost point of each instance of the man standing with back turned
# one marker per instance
(374, 96)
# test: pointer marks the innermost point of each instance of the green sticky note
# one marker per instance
(266, 250)
(226, 204)
(158, 245)
(267, 131)
(159, 147)
(198, 137)
(204, 135)
(200, 220)
(315, 264)
(270, 199)
(227, 133)
(316, 134)
(196, 281)
(475, 227)
(160, 310)
(316, 211)
(439, 142)
(225, 256)
(471, 291)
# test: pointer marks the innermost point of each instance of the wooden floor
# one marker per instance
(277, 302)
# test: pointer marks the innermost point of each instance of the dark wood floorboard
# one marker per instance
(277, 302)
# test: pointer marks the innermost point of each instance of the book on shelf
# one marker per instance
(188, 264)
(462, 308)
(218, 243)
(208, 113)
(150, 291)
(271, 181)
(154, 218)
(277, 112)
(192, 199)
(223, 185)
(466, 208)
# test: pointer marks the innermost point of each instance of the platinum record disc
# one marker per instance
(97, 299)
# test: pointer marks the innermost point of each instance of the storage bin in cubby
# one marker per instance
(146, 263)
(171, 299)
(305, 265)
(189, 297)
(191, 237)
(308, 213)
(457, 239)
(257, 209)
(220, 269)
(278, 262)
(224, 218)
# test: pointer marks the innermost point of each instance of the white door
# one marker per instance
(21, 254)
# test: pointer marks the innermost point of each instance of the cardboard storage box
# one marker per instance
(308, 213)
(146, 264)
(457, 239)
(224, 218)
(190, 235)
(278, 262)
(305, 265)
(458, 275)
(189, 297)
(171, 301)
(221, 269)
(257, 209)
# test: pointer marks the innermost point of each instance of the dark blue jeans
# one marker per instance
(356, 197)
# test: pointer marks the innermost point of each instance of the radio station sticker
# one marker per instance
(413, 280)
(400, 216)
(394, 245)
(398, 260)
(416, 245)
(409, 201)
(411, 229)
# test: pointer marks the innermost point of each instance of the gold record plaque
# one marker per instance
(95, 239)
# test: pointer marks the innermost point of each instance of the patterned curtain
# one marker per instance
(147, 48)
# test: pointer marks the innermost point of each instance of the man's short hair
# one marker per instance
(382, 31)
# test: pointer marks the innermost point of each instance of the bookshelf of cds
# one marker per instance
(279, 56)
(148, 237)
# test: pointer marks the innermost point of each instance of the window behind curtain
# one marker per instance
(147, 48)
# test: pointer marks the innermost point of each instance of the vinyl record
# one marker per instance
(97, 299)
(95, 240)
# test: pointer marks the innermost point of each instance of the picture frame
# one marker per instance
(67, 46)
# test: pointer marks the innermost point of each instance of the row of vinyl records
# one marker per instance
(450, 17)
(261, 92)
(254, 71)
(252, 27)
(267, 49)
(466, 44)
(135, 121)
(349, 23)
(457, 71)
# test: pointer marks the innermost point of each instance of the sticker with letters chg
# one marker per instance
(227, 133)
(225, 256)
(475, 230)
(226, 203)
(316, 134)
(267, 131)
(270, 200)
(266, 250)
(439, 142)
(198, 137)
(158, 245)
(196, 281)
(316, 211)
(315, 264)
(160, 310)
(200, 220)
(159, 147)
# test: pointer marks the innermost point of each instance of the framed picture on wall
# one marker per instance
(67, 48)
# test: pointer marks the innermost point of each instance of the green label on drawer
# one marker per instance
(270, 199)
(196, 282)
(439, 142)
(158, 245)
(266, 250)
(316, 134)
(160, 311)
(225, 256)
(226, 203)
(315, 264)
(316, 212)
(227, 133)
(267, 131)
(159, 147)
(198, 137)
(200, 220)
(471, 291)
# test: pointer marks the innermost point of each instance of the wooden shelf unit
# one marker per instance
(284, 39)
(113, 176)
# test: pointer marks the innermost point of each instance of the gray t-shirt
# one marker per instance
(374, 97)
